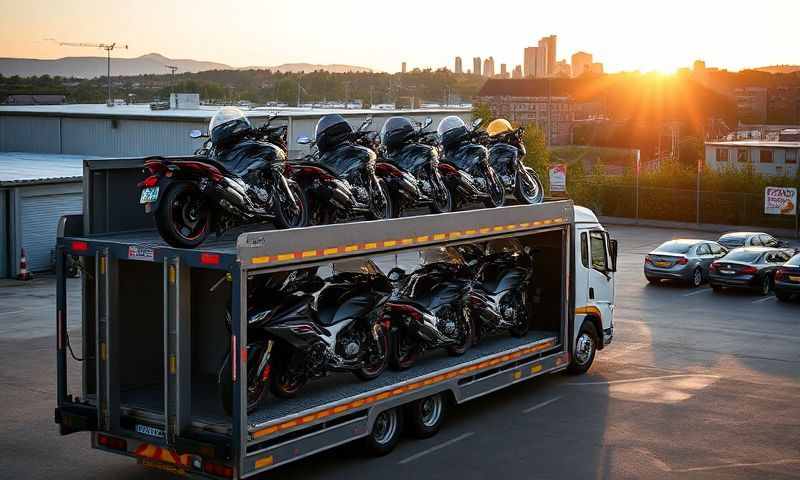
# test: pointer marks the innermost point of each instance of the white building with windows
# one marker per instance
(766, 158)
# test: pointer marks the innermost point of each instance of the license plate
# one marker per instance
(727, 272)
(149, 431)
(162, 466)
(794, 278)
(662, 264)
(149, 195)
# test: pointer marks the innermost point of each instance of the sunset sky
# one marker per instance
(624, 35)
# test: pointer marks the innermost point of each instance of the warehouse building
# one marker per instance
(764, 157)
(42, 148)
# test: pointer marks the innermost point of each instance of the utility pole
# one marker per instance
(108, 47)
(172, 69)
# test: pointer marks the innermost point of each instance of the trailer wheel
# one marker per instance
(385, 432)
(585, 349)
(425, 416)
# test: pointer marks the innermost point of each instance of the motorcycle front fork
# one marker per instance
(263, 370)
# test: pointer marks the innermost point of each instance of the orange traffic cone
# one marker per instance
(24, 274)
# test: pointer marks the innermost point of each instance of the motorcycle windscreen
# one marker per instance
(347, 158)
(413, 156)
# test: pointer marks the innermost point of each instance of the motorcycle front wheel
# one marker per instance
(284, 382)
(525, 192)
(288, 215)
(442, 199)
(377, 357)
(380, 203)
(466, 335)
(496, 191)
(183, 217)
(256, 389)
(405, 350)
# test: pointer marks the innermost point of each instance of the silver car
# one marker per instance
(685, 260)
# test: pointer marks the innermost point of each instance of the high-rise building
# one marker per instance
(517, 73)
(699, 66)
(547, 52)
(503, 70)
(476, 66)
(459, 67)
(581, 63)
(488, 67)
(597, 68)
(562, 70)
(541, 61)
(403, 67)
(529, 62)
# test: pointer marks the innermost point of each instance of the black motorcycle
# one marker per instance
(497, 297)
(342, 183)
(467, 172)
(410, 168)
(506, 152)
(427, 308)
(220, 188)
(302, 326)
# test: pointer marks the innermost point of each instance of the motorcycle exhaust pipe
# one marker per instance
(341, 194)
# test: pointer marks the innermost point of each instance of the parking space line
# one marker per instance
(645, 379)
(763, 299)
(697, 292)
(435, 448)
(540, 405)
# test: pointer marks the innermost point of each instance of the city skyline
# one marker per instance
(331, 36)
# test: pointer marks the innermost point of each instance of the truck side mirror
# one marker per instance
(613, 245)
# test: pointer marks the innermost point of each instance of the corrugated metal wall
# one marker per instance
(30, 134)
(128, 138)
(40, 216)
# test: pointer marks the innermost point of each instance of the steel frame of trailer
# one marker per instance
(254, 448)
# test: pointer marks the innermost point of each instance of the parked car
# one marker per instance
(787, 279)
(685, 260)
(748, 267)
(749, 239)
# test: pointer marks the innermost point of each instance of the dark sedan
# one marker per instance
(787, 279)
(749, 267)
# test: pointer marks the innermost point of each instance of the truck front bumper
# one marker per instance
(608, 335)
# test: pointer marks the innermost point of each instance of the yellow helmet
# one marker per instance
(498, 127)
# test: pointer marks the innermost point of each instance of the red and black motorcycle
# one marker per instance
(236, 178)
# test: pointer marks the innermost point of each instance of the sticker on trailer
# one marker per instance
(135, 252)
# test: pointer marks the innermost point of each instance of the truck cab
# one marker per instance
(595, 267)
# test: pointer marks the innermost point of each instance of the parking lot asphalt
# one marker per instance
(695, 385)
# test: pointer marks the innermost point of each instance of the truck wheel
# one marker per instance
(585, 349)
(385, 432)
(425, 416)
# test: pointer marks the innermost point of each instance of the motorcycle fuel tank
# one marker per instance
(347, 158)
(469, 156)
(250, 154)
(414, 156)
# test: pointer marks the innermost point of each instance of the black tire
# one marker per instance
(467, 337)
(424, 417)
(783, 296)
(496, 191)
(377, 212)
(282, 383)
(403, 355)
(585, 349)
(255, 392)
(765, 286)
(373, 369)
(283, 217)
(696, 279)
(173, 213)
(529, 194)
(385, 432)
(441, 193)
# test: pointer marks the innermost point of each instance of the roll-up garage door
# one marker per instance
(39, 221)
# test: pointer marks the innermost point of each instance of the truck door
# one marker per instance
(601, 276)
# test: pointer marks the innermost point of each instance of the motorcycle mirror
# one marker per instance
(477, 123)
(366, 124)
(304, 140)
(195, 134)
(427, 122)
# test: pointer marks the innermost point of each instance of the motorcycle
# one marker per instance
(506, 152)
(468, 174)
(497, 297)
(343, 183)
(426, 309)
(412, 174)
(217, 189)
(301, 326)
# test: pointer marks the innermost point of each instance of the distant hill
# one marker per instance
(312, 67)
(90, 67)
(779, 69)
